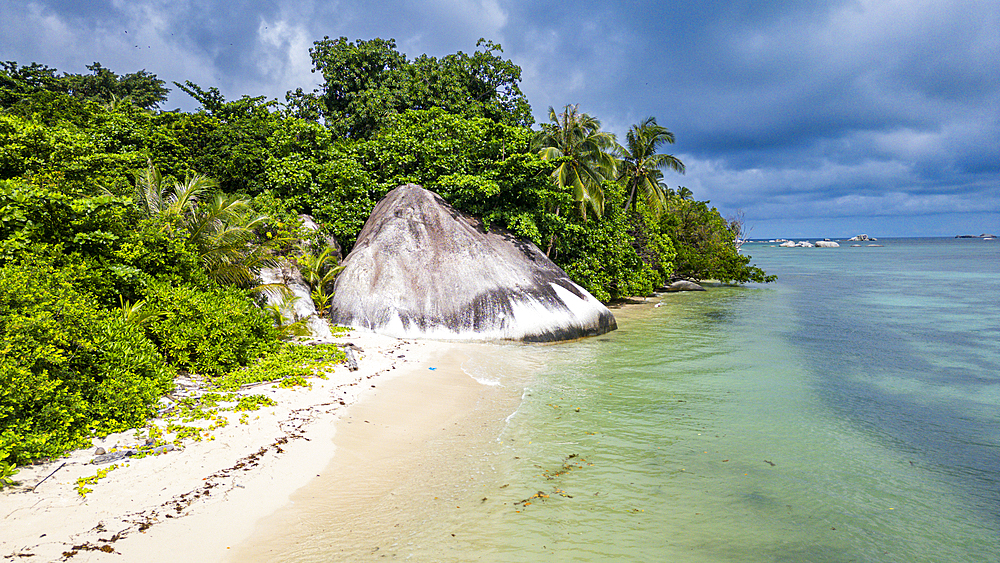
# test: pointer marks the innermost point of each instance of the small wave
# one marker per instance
(482, 376)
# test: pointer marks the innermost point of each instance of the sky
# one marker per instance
(811, 118)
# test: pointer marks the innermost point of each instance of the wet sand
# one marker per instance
(404, 445)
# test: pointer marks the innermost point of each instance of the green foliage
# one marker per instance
(221, 228)
(582, 153)
(7, 472)
(31, 214)
(141, 89)
(68, 368)
(294, 381)
(230, 139)
(61, 153)
(601, 255)
(310, 172)
(283, 317)
(641, 166)
(319, 271)
(290, 360)
(367, 82)
(81, 483)
(705, 243)
(211, 331)
(253, 403)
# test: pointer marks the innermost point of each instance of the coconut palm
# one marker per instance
(586, 152)
(223, 232)
(221, 229)
(319, 271)
(641, 167)
(155, 197)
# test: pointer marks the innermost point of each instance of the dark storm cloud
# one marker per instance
(838, 112)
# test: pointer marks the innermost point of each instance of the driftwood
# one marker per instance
(47, 476)
(352, 362)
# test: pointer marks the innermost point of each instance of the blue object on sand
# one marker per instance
(432, 369)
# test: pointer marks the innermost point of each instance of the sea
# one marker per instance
(848, 412)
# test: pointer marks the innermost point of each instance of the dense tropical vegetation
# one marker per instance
(131, 238)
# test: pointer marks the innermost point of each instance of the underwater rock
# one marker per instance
(683, 285)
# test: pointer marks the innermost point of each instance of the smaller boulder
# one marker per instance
(683, 285)
(827, 244)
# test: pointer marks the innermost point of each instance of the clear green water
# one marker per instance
(849, 412)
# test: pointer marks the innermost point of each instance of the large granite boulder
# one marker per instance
(421, 268)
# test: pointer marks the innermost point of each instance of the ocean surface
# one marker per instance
(848, 412)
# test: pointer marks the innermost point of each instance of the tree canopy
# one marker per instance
(141, 89)
(641, 166)
(366, 82)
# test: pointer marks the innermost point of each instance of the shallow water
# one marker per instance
(848, 412)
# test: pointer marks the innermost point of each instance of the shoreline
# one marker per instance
(250, 494)
(393, 446)
(213, 491)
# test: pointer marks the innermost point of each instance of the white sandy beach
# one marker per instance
(201, 502)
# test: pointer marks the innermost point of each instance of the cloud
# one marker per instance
(790, 108)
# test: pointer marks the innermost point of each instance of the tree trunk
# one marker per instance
(552, 241)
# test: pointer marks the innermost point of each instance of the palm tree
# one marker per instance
(320, 271)
(223, 232)
(221, 229)
(641, 168)
(587, 151)
(155, 197)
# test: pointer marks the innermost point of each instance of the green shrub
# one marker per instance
(705, 244)
(210, 331)
(289, 361)
(7, 472)
(68, 369)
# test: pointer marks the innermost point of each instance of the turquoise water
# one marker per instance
(848, 412)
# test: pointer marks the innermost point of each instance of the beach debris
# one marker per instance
(53, 473)
(769, 462)
(164, 448)
(113, 456)
(432, 369)
(89, 547)
(352, 362)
